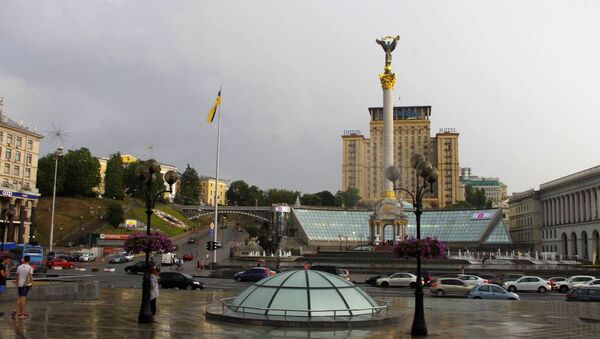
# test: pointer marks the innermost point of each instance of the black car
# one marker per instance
(191, 240)
(426, 276)
(138, 267)
(180, 280)
(326, 268)
(584, 293)
(373, 280)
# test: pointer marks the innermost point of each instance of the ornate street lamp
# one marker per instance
(426, 175)
(145, 174)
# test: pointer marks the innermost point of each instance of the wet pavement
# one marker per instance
(181, 315)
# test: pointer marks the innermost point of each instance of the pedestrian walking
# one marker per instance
(153, 288)
(462, 269)
(202, 263)
(24, 282)
(3, 274)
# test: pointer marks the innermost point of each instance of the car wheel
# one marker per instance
(385, 284)
(512, 289)
(413, 285)
(563, 289)
(477, 298)
(440, 293)
(542, 289)
(512, 299)
(201, 287)
(238, 279)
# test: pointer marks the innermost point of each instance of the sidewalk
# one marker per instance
(181, 315)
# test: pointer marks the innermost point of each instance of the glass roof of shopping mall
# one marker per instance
(448, 226)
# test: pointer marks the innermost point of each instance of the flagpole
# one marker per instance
(217, 177)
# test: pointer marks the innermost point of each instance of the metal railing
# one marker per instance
(309, 313)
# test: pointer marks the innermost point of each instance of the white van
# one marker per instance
(168, 259)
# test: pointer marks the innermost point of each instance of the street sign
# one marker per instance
(212, 232)
(212, 225)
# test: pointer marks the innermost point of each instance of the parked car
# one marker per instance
(555, 280)
(191, 240)
(117, 259)
(449, 286)
(490, 278)
(528, 283)
(568, 284)
(507, 277)
(472, 279)
(70, 244)
(127, 256)
(188, 257)
(426, 276)
(73, 256)
(366, 248)
(595, 282)
(60, 262)
(55, 254)
(491, 291)
(138, 267)
(373, 279)
(333, 270)
(180, 280)
(253, 274)
(398, 279)
(87, 257)
(584, 293)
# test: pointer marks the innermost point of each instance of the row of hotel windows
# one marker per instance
(8, 155)
(16, 170)
(550, 248)
(523, 222)
(19, 143)
(548, 234)
(16, 182)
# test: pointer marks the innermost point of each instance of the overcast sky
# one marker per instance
(519, 80)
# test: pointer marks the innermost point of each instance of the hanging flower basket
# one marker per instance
(138, 242)
(425, 248)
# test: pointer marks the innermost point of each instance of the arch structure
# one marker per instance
(264, 213)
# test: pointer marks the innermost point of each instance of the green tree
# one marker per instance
(45, 175)
(281, 196)
(134, 187)
(189, 188)
(114, 214)
(348, 198)
(240, 194)
(311, 200)
(266, 238)
(113, 178)
(476, 197)
(83, 173)
(327, 198)
(252, 230)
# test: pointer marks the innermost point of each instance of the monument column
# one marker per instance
(388, 79)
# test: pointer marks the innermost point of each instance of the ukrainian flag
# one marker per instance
(213, 110)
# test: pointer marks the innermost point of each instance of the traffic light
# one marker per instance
(210, 246)
(216, 245)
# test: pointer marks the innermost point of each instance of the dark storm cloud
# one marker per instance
(124, 75)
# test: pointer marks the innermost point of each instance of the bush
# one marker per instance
(138, 242)
(114, 214)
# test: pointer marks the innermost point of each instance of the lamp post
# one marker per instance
(426, 175)
(145, 174)
(57, 154)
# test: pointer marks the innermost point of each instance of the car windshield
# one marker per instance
(187, 275)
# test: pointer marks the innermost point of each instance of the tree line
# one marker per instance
(78, 174)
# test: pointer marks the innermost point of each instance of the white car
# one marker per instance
(472, 279)
(127, 256)
(398, 279)
(565, 286)
(595, 282)
(528, 283)
(87, 257)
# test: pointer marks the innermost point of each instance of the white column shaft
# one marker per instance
(388, 137)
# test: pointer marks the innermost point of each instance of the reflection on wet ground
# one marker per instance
(181, 315)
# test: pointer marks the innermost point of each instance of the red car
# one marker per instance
(188, 257)
(60, 262)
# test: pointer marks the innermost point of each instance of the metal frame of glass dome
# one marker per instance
(311, 282)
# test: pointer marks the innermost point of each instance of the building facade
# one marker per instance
(495, 190)
(571, 214)
(19, 154)
(362, 158)
(207, 191)
(525, 210)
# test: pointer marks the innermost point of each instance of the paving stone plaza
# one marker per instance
(114, 315)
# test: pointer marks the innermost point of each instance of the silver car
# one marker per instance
(491, 292)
